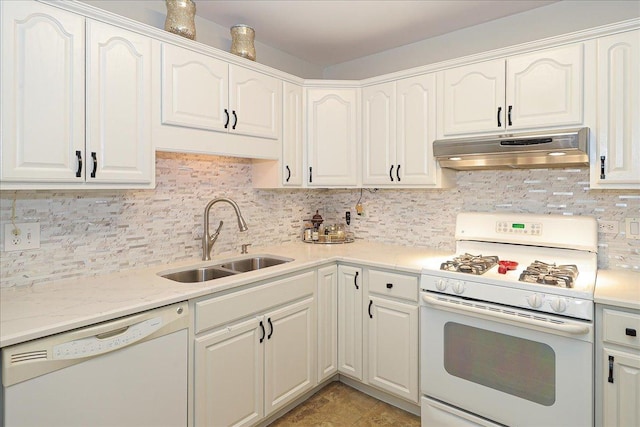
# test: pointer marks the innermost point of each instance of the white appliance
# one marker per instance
(507, 323)
(126, 372)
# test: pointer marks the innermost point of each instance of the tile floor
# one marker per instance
(338, 405)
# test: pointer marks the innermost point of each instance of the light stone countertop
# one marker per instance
(618, 288)
(30, 312)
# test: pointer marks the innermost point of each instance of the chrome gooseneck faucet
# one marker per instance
(209, 239)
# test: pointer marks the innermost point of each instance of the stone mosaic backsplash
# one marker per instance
(85, 233)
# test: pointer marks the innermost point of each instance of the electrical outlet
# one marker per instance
(608, 227)
(632, 228)
(21, 236)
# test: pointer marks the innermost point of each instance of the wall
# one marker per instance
(558, 18)
(154, 12)
(97, 232)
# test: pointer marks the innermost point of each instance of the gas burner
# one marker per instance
(563, 276)
(471, 264)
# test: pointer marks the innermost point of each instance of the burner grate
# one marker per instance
(470, 264)
(550, 274)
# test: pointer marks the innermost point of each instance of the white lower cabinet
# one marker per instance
(350, 321)
(289, 357)
(260, 353)
(327, 300)
(617, 367)
(378, 313)
(229, 376)
(392, 347)
(391, 327)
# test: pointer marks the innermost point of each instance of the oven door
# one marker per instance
(509, 366)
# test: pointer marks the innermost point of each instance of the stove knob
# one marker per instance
(535, 300)
(441, 284)
(558, 305)
(458, 287)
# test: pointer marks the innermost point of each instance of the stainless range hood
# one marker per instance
(551, 149)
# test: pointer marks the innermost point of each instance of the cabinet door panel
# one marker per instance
(292, 135)
(350, 321)
(622, 395)
(416, 131)
(332, 136)
(327, 322)
(256, 100)
(42, 93)
(379, 133)
(618, 134)
(119, 105)
(471, 97)
(289, 357)
(393, 347)
(194, 89)
(229, 376)
(545, 88)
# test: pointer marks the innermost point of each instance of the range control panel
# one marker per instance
(530, 228)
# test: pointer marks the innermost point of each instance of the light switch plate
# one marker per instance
(632, 228)
(21, 236)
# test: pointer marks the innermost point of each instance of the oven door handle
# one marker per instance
(508, 318)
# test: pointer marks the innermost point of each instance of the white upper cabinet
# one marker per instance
(398, 130)
(56, 135)
(534, 90)
(332, 137)
(202, 92)
(255, 103)
(472, 98)
(292, 140)
(617, 158)
(195, 89)
(118, 105)
(42, 93)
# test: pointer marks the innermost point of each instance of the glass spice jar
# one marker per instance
(242, 37)
(181, 18)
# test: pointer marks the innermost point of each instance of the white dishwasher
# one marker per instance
(126, 372)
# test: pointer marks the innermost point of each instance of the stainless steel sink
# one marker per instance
(224, 269)
(198, 275)
(253, 263)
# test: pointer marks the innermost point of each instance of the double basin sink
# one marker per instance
(225, 269)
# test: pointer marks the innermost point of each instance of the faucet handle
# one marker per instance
(245, 247)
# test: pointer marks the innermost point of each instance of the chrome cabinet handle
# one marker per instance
(602, 174)
(79, 171)
(95, 164)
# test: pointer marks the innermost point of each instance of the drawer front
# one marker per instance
(393, 284)
(622, 328)
(218, 311)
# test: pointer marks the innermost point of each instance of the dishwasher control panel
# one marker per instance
(107, 341)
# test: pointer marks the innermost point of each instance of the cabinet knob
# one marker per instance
(389, 285)
(630, 332)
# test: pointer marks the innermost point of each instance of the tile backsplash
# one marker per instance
(86, 233)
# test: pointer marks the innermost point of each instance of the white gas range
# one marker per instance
(507, 323)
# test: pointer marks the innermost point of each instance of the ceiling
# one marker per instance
(329, 32)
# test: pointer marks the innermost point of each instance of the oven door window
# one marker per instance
(513, 365)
